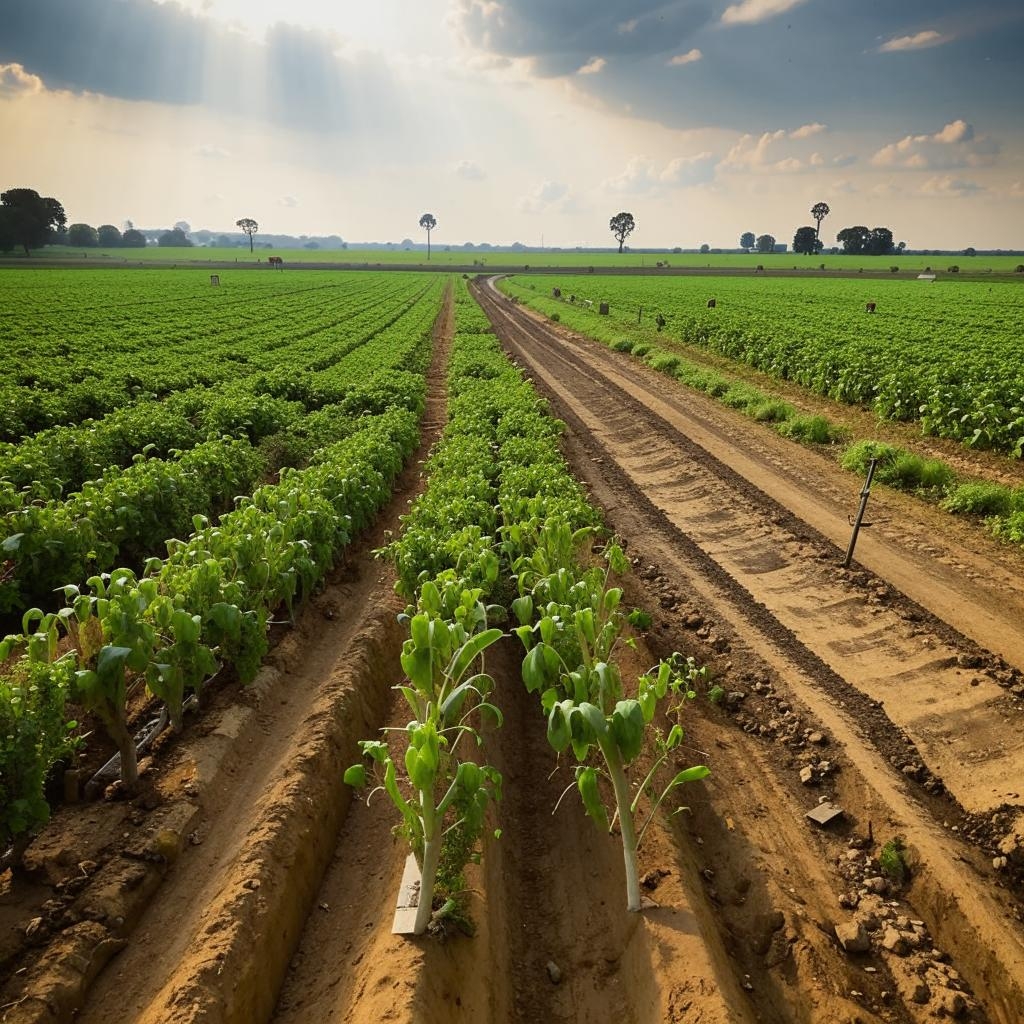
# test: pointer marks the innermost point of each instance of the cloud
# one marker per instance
(844, 160)
(761, 152)
(138, 50)
(807, 130)
(690, 57)
(844, 186)
(546, 196)
(212, 151)
(954, 145)
(920, 41)
(290, 201)
(642, 176)
(593, 66)
(16, 81)
(560, 38)
(951, 187)
(751, 11)
(469, 170)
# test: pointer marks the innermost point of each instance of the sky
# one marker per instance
(523, 120)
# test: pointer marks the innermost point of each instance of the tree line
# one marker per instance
(855, 241)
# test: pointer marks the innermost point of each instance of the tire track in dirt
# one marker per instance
(706, 528)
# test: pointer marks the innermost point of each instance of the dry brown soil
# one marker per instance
(897, 684)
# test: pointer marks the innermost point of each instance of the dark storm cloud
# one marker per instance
(141, 50)
(131, 50)
(561, 37)
(820, 60)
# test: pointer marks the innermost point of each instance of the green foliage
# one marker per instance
(984, 499)
(811, 430)
(898, 467)
(34, 733)
(175, 622)
(892, 862)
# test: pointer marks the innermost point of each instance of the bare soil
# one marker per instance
(894, 687)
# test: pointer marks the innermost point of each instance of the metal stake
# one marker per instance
(864, 494)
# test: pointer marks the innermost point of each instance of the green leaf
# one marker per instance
(587, 783)
(356, 776)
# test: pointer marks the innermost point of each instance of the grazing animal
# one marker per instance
(276, 261)
(711, 303)
(870, 307)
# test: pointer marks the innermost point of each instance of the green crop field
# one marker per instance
(948, 353)
(444, 256)
(179, 463)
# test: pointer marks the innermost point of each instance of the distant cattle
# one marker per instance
(276, 261)
(870, 307)
(711, 303)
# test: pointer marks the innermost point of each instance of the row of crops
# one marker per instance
(947, 355)
(81, 346)
(157, 574)
(503, 532)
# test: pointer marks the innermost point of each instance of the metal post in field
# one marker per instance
(864, 495)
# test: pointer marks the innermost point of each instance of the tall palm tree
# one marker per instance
(428, 222)
(819, 211)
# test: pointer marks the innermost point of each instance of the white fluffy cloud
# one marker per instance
(593, 66)
(546, 195)
(918, 41)
(643, 176)
(763, 152)
(950, 186)
(684, 58)
(751, 11)
(16, 81)
(954, 145)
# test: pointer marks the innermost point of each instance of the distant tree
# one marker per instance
(766, 243)
(224, 242)
(705, 248)
(880, 242)
(806, 241)
(970, 251)
(83, 236)
(622, 226)
(26, 218)
(175, 238)
(428, 222)
(819, 211)
(854, 240)
(747, 240)
(133, 239)
(677, 249)
(183, 226)
(248, 227)
(109, 236)
(901, 247)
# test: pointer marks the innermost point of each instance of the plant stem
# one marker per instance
(431, 858)
(618, 776)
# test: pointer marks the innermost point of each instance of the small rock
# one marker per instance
(807, 775)
(816, 738)
(876, 884)
(735, 697)
(252, 884)
(554, 972)
(849, 900)
(894, 942)
(852, 937)
(693, 621)
(999, 863)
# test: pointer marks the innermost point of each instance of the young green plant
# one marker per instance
(448, 791)
(570, 626)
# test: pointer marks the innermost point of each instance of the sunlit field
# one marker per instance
(489, 259)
